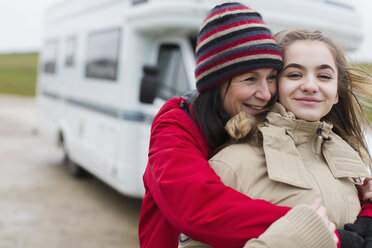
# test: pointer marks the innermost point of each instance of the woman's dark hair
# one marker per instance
(211, 117)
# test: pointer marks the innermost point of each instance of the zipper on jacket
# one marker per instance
(319, 140)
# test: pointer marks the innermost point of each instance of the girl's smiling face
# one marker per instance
(308, 83)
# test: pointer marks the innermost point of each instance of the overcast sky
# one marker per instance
(22, 25)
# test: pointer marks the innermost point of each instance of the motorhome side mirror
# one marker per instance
(149, 84)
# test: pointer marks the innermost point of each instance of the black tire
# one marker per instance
(74, 169)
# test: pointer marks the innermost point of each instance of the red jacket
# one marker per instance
(184, 195)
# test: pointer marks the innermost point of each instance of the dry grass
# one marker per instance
(18, 73)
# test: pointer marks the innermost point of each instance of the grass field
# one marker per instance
(367, 67)
(18, 73)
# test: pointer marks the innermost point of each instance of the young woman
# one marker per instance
(309, 146)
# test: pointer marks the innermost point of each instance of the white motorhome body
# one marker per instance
(92, 63)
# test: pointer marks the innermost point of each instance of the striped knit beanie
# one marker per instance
(233, 40)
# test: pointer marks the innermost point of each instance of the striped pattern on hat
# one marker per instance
(233, 40)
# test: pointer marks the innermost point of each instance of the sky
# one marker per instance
(22, 26)
(364, 53)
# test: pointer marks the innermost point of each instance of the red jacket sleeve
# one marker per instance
(191, 196)
(366, 210)
(366, 207)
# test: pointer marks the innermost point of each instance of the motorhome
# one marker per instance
(107, 66)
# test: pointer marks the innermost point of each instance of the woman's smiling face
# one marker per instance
(308, 83)
(249, 92)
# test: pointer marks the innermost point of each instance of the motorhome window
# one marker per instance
(50, 57)
(172, 74)
(70, 51)
(102, 54)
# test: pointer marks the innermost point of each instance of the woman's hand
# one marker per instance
(322, 211)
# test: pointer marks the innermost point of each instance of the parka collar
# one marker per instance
(283, 132)
(299, 130)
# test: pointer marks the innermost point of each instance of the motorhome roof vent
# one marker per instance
(134, 2)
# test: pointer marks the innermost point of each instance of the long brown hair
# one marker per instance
(354, 87)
